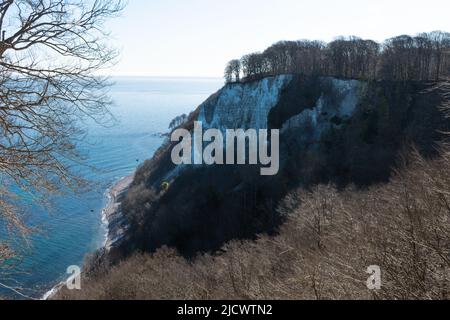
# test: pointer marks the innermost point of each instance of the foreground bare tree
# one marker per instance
(50, 53)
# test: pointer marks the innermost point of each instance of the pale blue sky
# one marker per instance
(197, 37)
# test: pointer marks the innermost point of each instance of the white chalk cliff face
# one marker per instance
(243, 106)
(248, 106)
(335, 105)
(238, 106)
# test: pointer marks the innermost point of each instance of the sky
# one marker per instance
(196, 38)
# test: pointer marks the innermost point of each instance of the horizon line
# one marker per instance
(162, 77)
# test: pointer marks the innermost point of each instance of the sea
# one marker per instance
(72, 227)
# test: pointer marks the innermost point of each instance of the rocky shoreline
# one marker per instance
(113, 219)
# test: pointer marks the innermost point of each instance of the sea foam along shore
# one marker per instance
(113, 219)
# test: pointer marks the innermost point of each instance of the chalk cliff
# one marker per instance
(338, 131)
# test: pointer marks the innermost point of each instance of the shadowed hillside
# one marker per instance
(343, 132)
(322, 251)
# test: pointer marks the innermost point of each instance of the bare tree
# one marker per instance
(50, 53)
(441, 46)
(425, 57)
(236, 69)
(254, 65)
(233, 71)
(228, 74)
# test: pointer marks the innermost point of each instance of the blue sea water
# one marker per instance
(73, 228)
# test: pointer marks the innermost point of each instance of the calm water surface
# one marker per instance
(143, 108)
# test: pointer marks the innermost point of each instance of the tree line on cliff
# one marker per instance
(425, 56)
